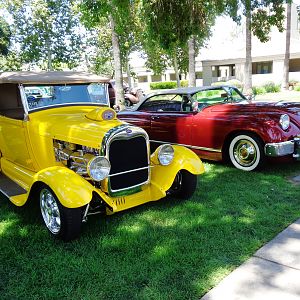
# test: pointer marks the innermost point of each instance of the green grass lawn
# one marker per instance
(168, 249)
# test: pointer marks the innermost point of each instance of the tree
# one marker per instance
(285, 79)
(119, 15)
(5, 36)
(47, 32)
(260, 17)
(171, 24)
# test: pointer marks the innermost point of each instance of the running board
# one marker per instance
(9, 188)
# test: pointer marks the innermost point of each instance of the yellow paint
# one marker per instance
(33, 160)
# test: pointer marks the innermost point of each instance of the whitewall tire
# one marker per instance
(246, 152)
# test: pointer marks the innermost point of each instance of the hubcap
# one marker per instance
(245, 153)
(50, 211)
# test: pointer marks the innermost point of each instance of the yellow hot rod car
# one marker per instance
(62, 144)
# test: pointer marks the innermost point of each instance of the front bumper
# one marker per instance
(284, 148)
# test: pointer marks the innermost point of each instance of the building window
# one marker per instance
(156, 78)
(262, 67)
(172, 77)
(294, 65)
(142, 79)
(199, 75)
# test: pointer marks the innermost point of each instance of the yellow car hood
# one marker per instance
(72, 125)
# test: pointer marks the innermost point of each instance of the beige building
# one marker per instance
(224, 57)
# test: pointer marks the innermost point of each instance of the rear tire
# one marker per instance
(62, 222)
(184, 185)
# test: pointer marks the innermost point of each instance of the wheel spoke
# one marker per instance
(50, 211)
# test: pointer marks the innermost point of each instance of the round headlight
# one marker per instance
(165, 154)
(98, 168)
(284, 121)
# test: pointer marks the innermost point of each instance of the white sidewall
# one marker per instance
(232, 158)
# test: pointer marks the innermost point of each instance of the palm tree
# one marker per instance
(248, 63)
(192, 70)
(285, 79)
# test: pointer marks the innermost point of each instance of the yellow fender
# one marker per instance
(184, 159)
(70, 188)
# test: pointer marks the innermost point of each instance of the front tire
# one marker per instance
(184, 185)
(62, 222)
(246, 152)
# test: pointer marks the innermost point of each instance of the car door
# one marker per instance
(13, 131)
(168, 122)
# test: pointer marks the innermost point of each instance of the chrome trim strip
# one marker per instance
(188, 146)
(4, 193)
(24, 100)
(129, 171)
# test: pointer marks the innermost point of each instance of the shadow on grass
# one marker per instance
(170, 249)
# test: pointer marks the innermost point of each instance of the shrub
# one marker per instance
(218, 83)
(293, 82)
(234, 82)
(163, 85)
(184, 83)
(271, 87)
(258, 90)
(297, 88)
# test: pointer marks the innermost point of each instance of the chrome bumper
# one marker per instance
(284, 148)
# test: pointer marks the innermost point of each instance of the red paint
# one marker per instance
(215, 124)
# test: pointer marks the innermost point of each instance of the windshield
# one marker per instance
(41, 96)
(218, 95)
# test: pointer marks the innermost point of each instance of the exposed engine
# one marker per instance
(76, 157)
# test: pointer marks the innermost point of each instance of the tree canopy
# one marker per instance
(47, 32)
(5, 36)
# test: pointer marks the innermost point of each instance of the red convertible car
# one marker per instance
(219, 123)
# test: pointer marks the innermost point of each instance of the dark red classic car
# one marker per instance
(219, 123)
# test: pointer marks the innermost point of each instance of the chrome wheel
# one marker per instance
(246, 152)
(50, 211)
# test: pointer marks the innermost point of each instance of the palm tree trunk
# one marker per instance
(285, 79)
(248, 63)
(117, 64)
(192, 62)
(176, 70)
(128, 72)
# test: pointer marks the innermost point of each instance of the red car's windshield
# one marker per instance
(219, 95)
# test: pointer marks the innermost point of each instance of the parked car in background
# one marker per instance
(219, 123)
(69, 151)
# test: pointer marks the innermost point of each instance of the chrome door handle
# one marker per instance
(154, 117)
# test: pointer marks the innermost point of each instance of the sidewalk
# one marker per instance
(273, 272)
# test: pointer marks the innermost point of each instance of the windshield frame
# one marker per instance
(31, 110)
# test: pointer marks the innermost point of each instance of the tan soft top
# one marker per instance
(51, 77)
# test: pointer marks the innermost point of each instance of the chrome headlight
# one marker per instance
(165, 154)
(98, 168)
(284, 121)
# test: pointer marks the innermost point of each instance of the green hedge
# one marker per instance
(233, 82)
(271, 87)
(258, 90)
(297, 88)
(167, 85)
